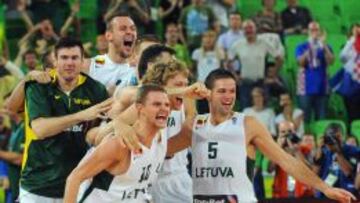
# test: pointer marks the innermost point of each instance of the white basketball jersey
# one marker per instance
(179, 161)
(133, 185)
(219, 161)
(109, 73)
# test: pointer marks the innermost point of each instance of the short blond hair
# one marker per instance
(161, 72)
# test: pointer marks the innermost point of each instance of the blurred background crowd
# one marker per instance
(297, 63)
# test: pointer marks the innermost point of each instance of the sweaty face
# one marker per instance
(223, 95)
(122, 35)
(178, 80)
(68, 63)
(156, 109)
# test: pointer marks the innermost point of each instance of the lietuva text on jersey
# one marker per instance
(212, 172)
(134, 193)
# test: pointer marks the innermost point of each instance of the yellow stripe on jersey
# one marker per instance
(29, 137)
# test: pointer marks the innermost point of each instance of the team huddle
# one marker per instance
(84, 146)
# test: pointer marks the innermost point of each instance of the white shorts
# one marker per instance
(174, 188)
(27, 197)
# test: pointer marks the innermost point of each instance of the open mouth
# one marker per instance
(161, 118)
(179, 99)
(128, 41)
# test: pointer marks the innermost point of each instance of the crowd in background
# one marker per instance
(206, 35)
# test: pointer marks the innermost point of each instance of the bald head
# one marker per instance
(249, 29)
(314, 30)
(285, 127)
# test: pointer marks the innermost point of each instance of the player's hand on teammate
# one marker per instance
(39, 76)
(127, 135)
(197, 91)
(97, 111)
(340, 195)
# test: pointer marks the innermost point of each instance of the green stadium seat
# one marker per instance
(291, 42)
(319, 127)
(334, 25)
(355, 129)
(337, 42)
(321, 9)
(248, 8)
(336, 108)
(88, 9)
(280, 5)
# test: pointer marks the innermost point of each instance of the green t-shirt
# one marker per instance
(182, 53)
(48, 162)
(16, 144)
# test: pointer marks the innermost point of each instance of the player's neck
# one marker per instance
(115, 56)
(216, 117)
(145, 132)
(67, 85)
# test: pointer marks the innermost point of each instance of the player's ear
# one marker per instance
(138, 107)
(108, 36)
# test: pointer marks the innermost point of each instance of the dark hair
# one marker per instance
(218, 74)
(149, 55)
(109, 20)
(30, 52)
(144, 90)
(68, 42)
(46, 63)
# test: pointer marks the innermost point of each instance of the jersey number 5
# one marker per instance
(212, 148)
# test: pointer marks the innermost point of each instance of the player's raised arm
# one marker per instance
(106, 154)
(261, 138)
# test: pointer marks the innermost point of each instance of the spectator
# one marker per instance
(352, 141)
(314, 57)
(295, 18)
(335, 160)
(289, 113)
(259, 110)
(252, 53)
(42, 36)
(233, 34)
(8, 81)
(13, 154)
(196, 19)
(101, 44)
(172, 37)
(138, 11)
(268, 20)
(273, 84)
(347, 80)
(167, 12)
(284, 185)
(221, 9)
(30, 61)
(208, 57)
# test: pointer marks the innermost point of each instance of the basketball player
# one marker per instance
(113, 69)
(220, 143)
(118, 174)
(174, 183)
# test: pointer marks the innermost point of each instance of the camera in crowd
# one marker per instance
(293, 137)
(330, 137)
